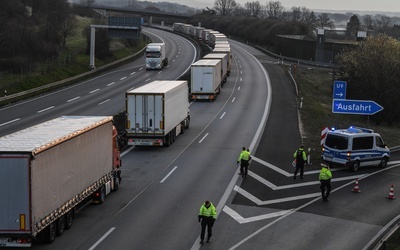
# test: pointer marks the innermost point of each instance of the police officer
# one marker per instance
(325, 176)
(301, 158)
(207, 216)
(244, 159)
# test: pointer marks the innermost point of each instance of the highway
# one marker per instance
(157, 204)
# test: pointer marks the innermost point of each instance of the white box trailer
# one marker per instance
(157, 113)
(49, 171)
(206, 79)
(225, 50)
(224, 63)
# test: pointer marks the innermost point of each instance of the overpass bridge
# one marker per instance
(108, 11)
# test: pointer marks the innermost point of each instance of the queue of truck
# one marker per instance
(51, 170)
(207, 75)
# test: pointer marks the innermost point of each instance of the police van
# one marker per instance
(355, 147)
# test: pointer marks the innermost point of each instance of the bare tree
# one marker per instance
(224, 7)
(68, 28)
(368, 22)
(353, 26)
(325, 22)
(253, 8)
(383, 24)
(274, 9)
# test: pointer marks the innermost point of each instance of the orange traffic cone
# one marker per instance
(356, 188)
(391, 194)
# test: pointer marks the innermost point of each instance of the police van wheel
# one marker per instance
(384, 162)
(356, 166)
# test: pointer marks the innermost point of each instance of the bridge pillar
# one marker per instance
(150, 20)
(319, 50)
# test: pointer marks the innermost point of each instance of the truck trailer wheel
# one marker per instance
(50, 233)
(102, 194)
(60, 225)
(69, 217)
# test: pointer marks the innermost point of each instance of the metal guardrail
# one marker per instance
(48, 87)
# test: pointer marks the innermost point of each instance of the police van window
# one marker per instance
(337, 142)
(363, 142)
(379, 142)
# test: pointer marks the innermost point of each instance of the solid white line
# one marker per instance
(91, 92)
(10, 122)
(123, 78)
(170, 172)
(110, 84)
(203, 138)
(40, 111)
(102, 238)
(222, 115)
(104, 101)
(73, 99)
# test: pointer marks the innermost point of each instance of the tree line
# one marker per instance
(33, 30)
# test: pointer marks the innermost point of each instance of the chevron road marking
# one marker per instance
(242, 220)
(268, 202)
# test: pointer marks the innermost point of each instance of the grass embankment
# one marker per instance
(72, 61)
(315, 87)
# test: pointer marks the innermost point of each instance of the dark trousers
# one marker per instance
(244, 167)
(209, 223)
(325, 189)
(299, 166)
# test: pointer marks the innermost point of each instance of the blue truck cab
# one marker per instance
(354, 147)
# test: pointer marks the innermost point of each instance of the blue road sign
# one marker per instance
(355, 107)
(339, 89)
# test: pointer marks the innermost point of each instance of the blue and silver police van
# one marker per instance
(354, 147)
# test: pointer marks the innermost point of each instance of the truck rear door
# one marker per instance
(146, 113)
(14, 194)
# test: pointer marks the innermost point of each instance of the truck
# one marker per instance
(206, 79)
(156, 113)
(224, 63)
(155, 57)
(51, 170)
(226, 50)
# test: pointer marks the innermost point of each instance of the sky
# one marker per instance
(355, 5)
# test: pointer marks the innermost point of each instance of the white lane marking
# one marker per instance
(170, 172)
(104, 101)
(238, 88)
(123, 78)
(93, 91)
(73, 99)
(241, 79)
(173, 60)
(110, 84)
(102, 238)
(233, 99)
(40, 111)
(204, 137)
(242, 220)
(283, 172)
(267, 202)
(147, 79)
(159, 72)
(10, 122)
(133, 73)
(222, 115)
(140, 69)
